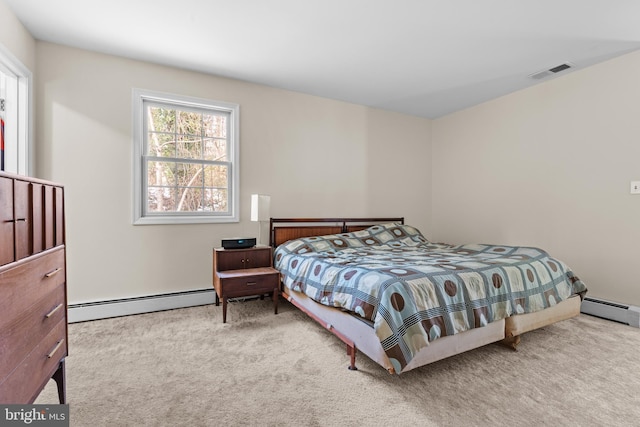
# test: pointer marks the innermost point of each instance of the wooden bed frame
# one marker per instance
(358, 334)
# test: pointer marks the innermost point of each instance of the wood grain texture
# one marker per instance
(33, 297)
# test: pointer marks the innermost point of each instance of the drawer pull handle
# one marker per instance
(251, 283)
(55, 349)
(21, 220)
(52, 312)
(51, 273)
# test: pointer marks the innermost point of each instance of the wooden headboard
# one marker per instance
(285, 229)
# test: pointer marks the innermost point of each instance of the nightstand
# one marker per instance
(244, 272)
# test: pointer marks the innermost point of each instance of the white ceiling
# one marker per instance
(421, 57)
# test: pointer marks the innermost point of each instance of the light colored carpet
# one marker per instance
(185, 368)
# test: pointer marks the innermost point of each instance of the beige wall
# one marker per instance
(550, 166)
(315, 157)
(16, 39)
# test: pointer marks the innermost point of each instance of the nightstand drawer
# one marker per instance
(238, 259)
(247, 282)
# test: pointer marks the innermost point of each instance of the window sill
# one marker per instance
(168, 220)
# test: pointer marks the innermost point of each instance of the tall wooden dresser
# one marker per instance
(33, 295)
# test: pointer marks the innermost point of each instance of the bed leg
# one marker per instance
(351, 351)
(512, 342)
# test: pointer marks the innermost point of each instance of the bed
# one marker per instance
(386, 291)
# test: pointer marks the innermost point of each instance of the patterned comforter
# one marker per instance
(415, 291)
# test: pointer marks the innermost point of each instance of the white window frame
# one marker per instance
(19, 159)
(140, 217)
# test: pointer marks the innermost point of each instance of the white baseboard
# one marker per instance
(147, 304)
(627, 314)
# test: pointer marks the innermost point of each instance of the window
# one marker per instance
(186, 159)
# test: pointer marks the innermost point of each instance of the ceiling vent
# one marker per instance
(551, 71)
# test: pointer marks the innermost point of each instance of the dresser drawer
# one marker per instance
(22, 334)
(248, 284)
(36, 369)
(30, 281)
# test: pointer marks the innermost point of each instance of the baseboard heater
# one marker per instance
(138, 305)
(627, 314)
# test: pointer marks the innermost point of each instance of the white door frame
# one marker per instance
(23, 164)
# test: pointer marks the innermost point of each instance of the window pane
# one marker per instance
(190, 200)
(216, 176)
(216, 200)
(161, 145)
(215, 149)
(189, 174)
(189, 147)
(161, 173)
(215, 125)
(161, 199)
(189, 123)
(161, 119)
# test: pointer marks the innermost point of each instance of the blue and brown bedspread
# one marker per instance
(415, 291)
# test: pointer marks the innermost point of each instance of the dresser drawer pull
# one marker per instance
(251, 283)
(51, 273)
(52, 312)
(55, 349)
(21, 220)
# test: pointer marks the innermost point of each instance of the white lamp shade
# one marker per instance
(260, 206)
